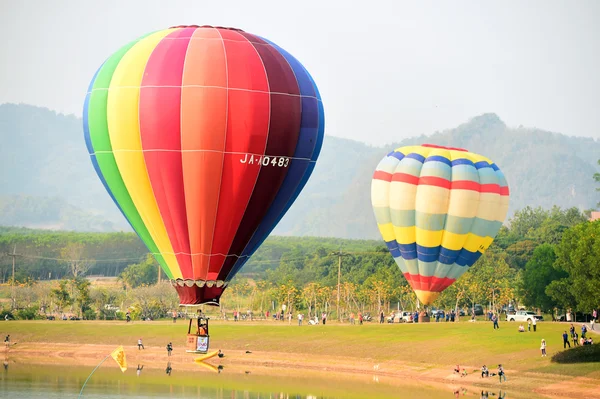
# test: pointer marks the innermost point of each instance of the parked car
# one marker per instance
(508, 309)
(523, 316)
(477, 308)
(405, 317)
(579, 317)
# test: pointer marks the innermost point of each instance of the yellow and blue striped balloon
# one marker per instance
(438, 209)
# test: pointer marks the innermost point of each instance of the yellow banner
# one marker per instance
(119, 356)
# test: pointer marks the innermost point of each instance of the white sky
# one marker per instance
(386, 69)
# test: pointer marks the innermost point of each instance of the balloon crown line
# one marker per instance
(204, 26)
(444, 148)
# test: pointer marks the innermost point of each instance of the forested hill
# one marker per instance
(47, 179)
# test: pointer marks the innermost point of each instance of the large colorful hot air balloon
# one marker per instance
(204, 137)
(438, 210)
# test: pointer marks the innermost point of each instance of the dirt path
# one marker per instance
(281, 364)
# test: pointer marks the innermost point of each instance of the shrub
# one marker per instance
(5, 312)
(108, 314)
(89, 315)
(579, 354)
(31, 313)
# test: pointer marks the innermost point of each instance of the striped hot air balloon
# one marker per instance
(438, 209)
(204, 137)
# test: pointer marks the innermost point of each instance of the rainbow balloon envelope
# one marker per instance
(204, 137)
(438, 209)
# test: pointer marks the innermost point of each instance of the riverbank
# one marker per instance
(416, 354)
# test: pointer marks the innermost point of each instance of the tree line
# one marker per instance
(543, 258)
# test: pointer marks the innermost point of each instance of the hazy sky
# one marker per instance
(386, 69)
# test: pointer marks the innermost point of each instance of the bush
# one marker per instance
(5, 312)
(579, 354)
(108, 314)
(89, 315)
(29, 313)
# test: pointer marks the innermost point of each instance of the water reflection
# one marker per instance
(157, 381)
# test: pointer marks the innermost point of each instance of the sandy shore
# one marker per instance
(282, 364)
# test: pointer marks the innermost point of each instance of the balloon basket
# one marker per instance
(424, 317)
(197, 343)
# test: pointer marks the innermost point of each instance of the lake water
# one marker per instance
(20, 381)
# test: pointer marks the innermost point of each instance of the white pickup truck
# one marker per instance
(524, 316)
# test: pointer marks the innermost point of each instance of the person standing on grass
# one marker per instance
(169, 348)
(140, 344)
(495, 320)
(572, 330)
(543, 347)
(501, 373)
(300, 317)
(575, 339)
(566, 340)
(583, 331)
(534, 323)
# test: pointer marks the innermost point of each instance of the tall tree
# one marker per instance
(538, 274)
(143, 273)
(492, 277)
(578, 255)
(74, 254)
(81, 295)
(62, 295)
(526, 220)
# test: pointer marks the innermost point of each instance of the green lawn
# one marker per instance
(470, 344)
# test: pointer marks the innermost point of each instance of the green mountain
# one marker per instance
(47, 179)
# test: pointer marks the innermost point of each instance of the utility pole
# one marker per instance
(13, 255)
(339, 254)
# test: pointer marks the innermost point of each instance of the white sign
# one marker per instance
(202, 345)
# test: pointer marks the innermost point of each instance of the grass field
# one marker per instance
(432, 344)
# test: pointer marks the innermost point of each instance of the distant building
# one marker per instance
(595, 216)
